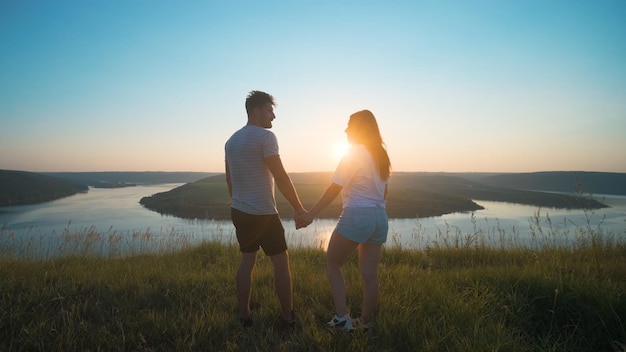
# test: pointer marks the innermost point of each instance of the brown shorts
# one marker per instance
(259, 231)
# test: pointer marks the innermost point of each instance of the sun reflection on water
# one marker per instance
(316, 235)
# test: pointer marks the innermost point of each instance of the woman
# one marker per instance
(361, 177)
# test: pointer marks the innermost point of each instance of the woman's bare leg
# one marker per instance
(339, 248)
(369, 257)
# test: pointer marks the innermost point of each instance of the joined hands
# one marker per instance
(303, 219)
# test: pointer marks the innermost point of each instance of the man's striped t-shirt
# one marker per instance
(252, 182)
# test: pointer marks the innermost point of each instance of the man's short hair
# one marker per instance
(256, 98)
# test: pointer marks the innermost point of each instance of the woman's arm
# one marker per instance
(329, 195)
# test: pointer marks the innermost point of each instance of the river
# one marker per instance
(112, 222)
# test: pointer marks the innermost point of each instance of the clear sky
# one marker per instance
(457, 86)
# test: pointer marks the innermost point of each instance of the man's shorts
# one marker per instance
(364, 225)
(259, 231)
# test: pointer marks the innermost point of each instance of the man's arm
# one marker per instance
(230, 185)
(284, 184)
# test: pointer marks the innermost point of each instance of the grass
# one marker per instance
(453, 295)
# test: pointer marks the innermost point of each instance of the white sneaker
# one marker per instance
(341, 323)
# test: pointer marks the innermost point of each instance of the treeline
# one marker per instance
(21, 187)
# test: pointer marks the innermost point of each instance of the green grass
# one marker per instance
(442, 298)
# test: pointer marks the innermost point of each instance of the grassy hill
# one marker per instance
(21, 187)
(444, 298)
(410, 195)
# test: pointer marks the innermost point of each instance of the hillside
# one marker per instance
(462, 187)
(209, 199)
(102, 178)
(410, 195)
(562, 181)
(21, 187)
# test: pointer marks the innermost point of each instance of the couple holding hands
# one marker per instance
(254, 168)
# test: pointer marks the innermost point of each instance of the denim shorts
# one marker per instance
(364, 225)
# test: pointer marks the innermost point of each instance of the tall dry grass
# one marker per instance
(459, 293)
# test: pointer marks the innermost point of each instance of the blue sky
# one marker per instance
(457, 86)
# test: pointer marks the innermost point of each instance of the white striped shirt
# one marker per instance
(252, 182)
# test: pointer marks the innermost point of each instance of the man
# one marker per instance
(253, 165)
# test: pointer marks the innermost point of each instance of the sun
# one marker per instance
(340, 150)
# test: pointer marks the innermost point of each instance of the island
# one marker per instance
(411, 195)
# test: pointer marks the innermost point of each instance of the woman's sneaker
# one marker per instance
(341, 323)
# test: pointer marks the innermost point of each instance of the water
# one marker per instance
(512, 225)
(112, 222)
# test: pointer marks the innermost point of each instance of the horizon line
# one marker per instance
(301, 172)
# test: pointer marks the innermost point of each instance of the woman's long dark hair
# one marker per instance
(364, 130)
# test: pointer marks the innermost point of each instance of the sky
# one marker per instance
(456, 86)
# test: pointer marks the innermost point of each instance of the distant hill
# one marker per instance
(21, 187)
(562, 181)
(462, 187)
(98, 179)
(411, 195)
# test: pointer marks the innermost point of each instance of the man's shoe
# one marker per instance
(287, 325)
(246, 322)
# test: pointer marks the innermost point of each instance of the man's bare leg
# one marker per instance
(244, 283)
(283, 285)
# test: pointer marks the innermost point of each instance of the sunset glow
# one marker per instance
(340, 150)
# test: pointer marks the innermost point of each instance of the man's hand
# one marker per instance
(300, 220)
(303, 219)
